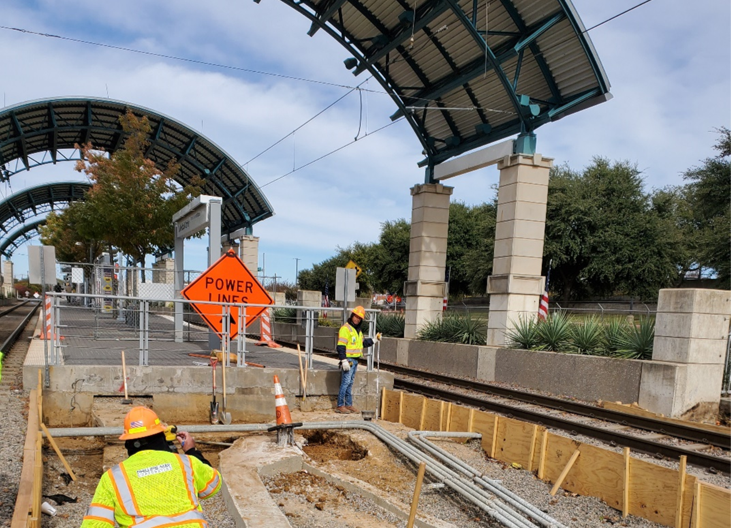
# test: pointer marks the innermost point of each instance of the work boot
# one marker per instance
(352, 409)
(342, 410)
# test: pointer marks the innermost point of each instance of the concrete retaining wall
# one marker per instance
(182, 394)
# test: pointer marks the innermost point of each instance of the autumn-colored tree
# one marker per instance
(131, 202)
(62, 232)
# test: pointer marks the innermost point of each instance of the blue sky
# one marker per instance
(668, 64)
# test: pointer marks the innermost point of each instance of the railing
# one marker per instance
(97, 329)
(726, 386)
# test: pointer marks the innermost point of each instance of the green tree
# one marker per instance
(62, 231)
(131, 202)
(709, 195)
(470, 247)
(603, 235)
(323, 274)
(389, 258)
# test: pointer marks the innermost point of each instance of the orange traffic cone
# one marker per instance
(283, 416)
(266, 331)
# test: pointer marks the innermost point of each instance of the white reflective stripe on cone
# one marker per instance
(280, 402)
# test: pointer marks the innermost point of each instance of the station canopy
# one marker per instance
(466, 73)
(45, 132)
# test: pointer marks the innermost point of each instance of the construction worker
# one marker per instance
(350, 348)
(154, 486)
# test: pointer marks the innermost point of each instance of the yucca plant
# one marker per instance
(586, 337)
(524, 333)
(285, 315)
(637, 343)
(453, 328)
(554, 333)
(391, 325)
(615, 333)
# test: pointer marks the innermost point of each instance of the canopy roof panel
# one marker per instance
(466, 73)
(24, 233)
(41, 132)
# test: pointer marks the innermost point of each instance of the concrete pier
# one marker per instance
(425, 288)
(691, 332)
(516, 283)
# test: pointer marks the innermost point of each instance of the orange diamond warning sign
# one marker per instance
(228, 280)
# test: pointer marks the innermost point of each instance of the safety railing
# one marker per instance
(89, 329)
(726, 386)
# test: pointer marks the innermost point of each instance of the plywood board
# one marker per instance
(483, 423)
(514, 442)
(411, 411)
(558, 453)
(391, 405)
(432, 415)
(460, 420)
(715, 509)
(639, 411)
(598, 473)
(24, 500)
(654, 492)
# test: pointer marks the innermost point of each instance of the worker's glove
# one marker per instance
(378, 337)
(344, 365)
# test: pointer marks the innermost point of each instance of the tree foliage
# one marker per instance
(62, 231)
(131, 202)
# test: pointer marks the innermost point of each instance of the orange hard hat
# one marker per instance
(141, 422)
(359, 311)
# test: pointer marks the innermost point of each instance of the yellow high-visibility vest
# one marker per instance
(152, 489)
(352, 339)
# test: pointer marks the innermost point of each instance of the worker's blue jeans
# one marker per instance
(345, 396)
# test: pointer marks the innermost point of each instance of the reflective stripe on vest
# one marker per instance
(175, 520)
(124, 493)
(354, 344)
(189, 482)
(97, 512)
(210, 487)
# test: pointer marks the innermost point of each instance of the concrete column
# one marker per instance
(685, 374)
(425, 287)
(8, 289)
(307, 298)
(516, 283)
(249, 252)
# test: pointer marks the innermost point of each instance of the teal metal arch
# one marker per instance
(46, 132)
(20, 206)
(464, 77)
(17, 238)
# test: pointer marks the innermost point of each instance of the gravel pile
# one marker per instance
(12, 438)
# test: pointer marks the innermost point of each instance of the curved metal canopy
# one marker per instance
(466, 73)
(17, 208)
(9, 245)
(45, 131)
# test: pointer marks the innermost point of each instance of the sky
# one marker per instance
(668, 64)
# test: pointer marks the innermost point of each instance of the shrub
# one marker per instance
(330, 323)
(586, 337)
(455, 328)
(554, 333)
(637, 343)
(285, 315)
(524, 333)
(615, 333)
(391, 325)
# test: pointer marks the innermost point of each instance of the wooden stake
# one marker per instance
(417, 492)
(302, 375)
(696, 513)
(532, 448)
(493, 447)
(625, 487)
(449, 417)
(124, 380)
(542, 461)
(423, 414)
(441, 416)
(383, 403)
(57, 450)
(37, 484)
(400, 407)
(681, 492)
(565, 472)
(470, 420)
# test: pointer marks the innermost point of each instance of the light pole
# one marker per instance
(296, 270)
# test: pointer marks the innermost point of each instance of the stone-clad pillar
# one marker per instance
(249, 252)
(8, 289)
(425, 287)
(685, 374)
(516, 283)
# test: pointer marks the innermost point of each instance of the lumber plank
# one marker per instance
(58, 452)
(715, 506)
(422, 418)
(400, 407)
(626, 481)
(411, 410)
(681, 490)
(697, 505)
(24, 500)
(383, 403)
(638, 411)
(565, 472)
(542, 461)
(532, 448)
(654, 492)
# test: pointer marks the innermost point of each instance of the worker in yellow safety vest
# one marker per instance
(350, 347)
(154, 487)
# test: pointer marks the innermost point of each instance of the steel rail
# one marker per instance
(8, 343)
(13, 308)
(686, 432)
(617, 438)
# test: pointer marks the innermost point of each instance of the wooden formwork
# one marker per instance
(667, 496)
(27, 512)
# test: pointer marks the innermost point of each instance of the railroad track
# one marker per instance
(611, 436)
(12, 323)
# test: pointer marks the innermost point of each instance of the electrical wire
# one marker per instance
(341, 147)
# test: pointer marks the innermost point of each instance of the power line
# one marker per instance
(617, 15)
(341, 147)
